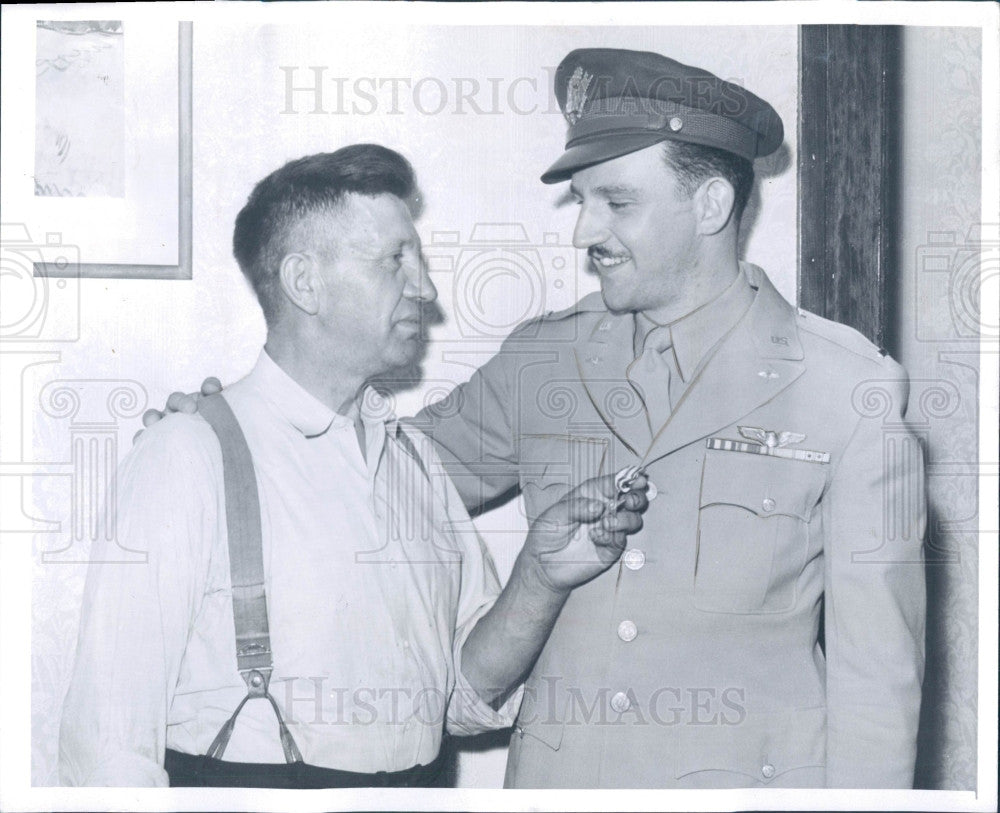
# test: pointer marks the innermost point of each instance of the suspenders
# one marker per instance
(246, 569)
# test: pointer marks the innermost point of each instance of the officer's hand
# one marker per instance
(581, 536)
(180, 402)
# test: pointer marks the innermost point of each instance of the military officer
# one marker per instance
(766, 626)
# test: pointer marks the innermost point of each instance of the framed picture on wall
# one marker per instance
(106, 190)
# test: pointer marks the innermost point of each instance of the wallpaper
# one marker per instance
(938, 340)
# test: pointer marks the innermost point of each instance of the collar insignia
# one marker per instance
(576, 94)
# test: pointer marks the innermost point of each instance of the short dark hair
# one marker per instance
(693, 164)
(300, 188)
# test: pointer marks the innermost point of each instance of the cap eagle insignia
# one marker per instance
(576, 94)
(772, 440)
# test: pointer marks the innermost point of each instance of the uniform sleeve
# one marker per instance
(473, 431)
(136, 615)
(480, 586)
(874, 519)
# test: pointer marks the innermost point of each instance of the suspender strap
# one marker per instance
(246, 570)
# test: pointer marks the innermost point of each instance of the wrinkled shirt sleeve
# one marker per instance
(467, 712)
(144, 586)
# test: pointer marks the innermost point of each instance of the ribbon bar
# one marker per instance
(806, 456)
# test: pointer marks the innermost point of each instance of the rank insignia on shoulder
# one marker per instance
(804, 455)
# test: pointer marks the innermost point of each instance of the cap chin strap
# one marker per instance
(246, 570)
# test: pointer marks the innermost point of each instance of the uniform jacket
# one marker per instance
(766, 626)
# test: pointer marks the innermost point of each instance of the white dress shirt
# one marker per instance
(374, 579)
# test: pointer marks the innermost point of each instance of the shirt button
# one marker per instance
(620, 702)
(634, 559)
(627, 631)
(768, 504)
(767, 771)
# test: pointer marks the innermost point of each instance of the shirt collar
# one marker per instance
(698, 332)
(301, 409)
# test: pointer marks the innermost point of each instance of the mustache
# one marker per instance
(601, 253)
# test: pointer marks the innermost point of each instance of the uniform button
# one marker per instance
(651, 490)
(767, 771)
(627, 631)
(620, 702)
(634, 559)
(768, 504)
(676, 123)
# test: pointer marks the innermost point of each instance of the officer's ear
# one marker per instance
(713, 205)
(298, 276)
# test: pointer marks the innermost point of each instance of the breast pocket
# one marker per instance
(552, 465)
(753, 531)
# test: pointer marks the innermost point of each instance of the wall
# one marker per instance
(937, 338)
(140, 340)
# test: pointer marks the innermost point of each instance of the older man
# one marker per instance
(377, 602)
(766, 627)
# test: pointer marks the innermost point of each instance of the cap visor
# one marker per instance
(594, 152)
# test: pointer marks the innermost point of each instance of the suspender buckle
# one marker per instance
(257, 681)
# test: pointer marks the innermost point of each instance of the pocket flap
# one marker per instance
(762, 750)
(538, 720)
(551, 734)
(761, 484)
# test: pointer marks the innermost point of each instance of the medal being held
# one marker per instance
(623, 485)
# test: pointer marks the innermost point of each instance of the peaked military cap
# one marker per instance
(619, 101)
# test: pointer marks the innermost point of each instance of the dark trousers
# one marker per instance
(187, 771)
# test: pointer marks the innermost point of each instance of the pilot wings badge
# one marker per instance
(576, 94)
(772, 440)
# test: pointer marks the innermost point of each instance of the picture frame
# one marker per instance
(146, 232)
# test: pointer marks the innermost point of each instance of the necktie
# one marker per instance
(650, 376)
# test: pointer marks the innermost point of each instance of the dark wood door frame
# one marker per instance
(848, 173)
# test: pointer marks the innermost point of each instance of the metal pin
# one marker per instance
(623, 483)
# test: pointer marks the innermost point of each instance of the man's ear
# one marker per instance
(297, 275)
(714, 201)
